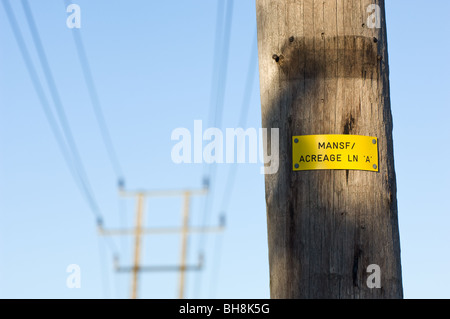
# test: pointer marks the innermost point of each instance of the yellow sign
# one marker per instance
(312, 152)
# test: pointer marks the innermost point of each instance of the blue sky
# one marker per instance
(152, 63)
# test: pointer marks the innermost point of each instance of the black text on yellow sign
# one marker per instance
(314, 152)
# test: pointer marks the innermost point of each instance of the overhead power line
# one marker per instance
(95, 101)
(245, 106)
(65, 150)
(220, 67)
(101, 122)
(66, 145)
(231, 177)
(60, 131)
(40, 93)
(217, 98)
(76, 159)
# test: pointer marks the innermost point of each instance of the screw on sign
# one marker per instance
(348, 152)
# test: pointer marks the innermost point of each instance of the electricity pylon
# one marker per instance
(138, 231)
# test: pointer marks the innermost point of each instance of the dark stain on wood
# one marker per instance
(349, 124)
(355, 266)
(295, 54)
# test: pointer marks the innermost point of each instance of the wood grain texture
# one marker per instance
(323, 71)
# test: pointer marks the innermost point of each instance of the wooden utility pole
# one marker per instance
(184, 235)
(137, 244)
(324, 70)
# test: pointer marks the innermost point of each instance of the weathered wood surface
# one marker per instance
(323, 71)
